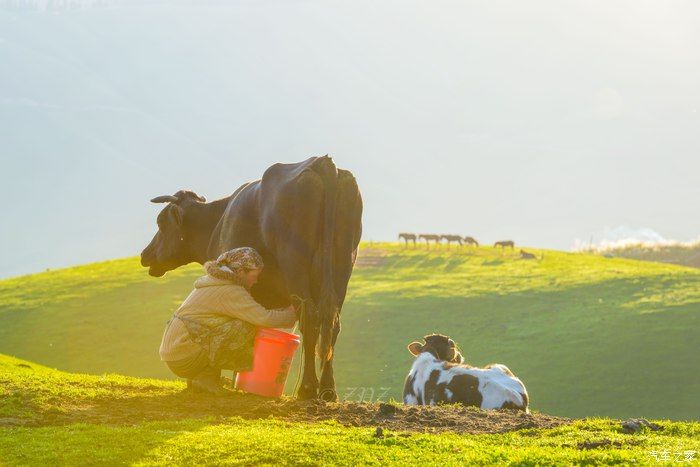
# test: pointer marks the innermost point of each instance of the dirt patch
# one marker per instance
(597, 444)
(11, 421)
(186, 405)
(370, 258)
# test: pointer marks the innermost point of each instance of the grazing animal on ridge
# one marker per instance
(526, 255)
(471, 241)
(305, 221)
(451, 238)
(408, 237)
(428, 238)
(439, 376)
(505, 244)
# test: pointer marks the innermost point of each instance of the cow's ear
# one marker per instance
(458, 358)
(415, 348)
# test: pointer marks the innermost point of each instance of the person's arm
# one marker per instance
(238, 303)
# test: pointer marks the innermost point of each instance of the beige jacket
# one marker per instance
(213, 296)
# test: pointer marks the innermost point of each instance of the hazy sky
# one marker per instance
(540, 121)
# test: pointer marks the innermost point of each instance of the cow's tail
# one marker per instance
(328, 300)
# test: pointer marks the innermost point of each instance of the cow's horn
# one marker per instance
(165, 199)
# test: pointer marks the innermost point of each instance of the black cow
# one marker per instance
(304, 219)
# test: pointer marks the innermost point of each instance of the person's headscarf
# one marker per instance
(229, 263)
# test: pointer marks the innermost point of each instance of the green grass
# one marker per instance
(30, 434)
(589, 336)
(273, 442)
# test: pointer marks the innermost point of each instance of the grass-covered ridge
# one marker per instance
(685, 254)
(589, 336)
(49, 417)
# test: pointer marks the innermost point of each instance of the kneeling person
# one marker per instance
(215, 326)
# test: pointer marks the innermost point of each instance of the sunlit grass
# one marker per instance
(31, 392)
(272, 442)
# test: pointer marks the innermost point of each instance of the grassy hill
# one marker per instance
(49, 417)
(589, 336)
(685, 254)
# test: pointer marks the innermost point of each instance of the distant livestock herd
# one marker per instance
(411, 237)
(437, 239)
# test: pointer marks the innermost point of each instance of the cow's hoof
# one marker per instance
(328, 395)
(307, 392)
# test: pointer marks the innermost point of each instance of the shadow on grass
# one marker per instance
(89, 444)
(454, 262)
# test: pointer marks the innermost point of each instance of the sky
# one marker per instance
(552, 123)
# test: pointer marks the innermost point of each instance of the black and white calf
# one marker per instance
(439, 376)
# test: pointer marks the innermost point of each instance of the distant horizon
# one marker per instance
(543, 122)
(444, 247)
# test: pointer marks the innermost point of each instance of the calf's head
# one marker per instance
(442, 347)
(169, 247)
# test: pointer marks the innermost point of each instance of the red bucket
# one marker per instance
(274, 350)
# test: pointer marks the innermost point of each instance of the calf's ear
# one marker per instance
(458, 358)
(415, 348)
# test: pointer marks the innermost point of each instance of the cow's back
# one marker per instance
(290, 205)
(238, 226)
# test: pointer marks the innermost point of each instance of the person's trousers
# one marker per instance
(190, 367)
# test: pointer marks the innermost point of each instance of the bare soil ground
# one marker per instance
(187, 405)
(370, 257)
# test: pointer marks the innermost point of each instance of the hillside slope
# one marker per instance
(684, 254)
(49, 417)
(589, 336)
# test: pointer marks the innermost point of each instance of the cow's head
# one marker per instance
(169, 248)
(442, 347)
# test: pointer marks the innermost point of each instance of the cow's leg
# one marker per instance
(309, 324)
(299, 290)
(327, 390)
(309, 330)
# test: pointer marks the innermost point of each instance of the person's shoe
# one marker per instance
(208, 381)
(228, 383)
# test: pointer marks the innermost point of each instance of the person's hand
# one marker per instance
(293, 310)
